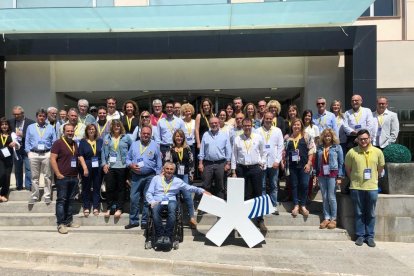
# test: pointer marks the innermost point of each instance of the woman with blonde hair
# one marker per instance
(336, 108)
(274, 107)
(328, 164)
(114, 151)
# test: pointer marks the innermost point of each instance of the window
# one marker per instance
(382, 8)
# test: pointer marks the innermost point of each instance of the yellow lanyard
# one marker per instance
(326, 155)
(41, 133)
(165, 186)
(267, 134)
(100, 130)
(338, 120)
(129, 122)
(366, 154)
(380, 119)
(274, 122)
(142, 150)
(77, 129)
(180, 154)
(189, 128)
(322, 123)
(358, 116)
(3, 141)
(296, 141)
(93, 146)
(248, 145)
(170, 126)
(205, 118)
(116, 143)
(82, 121)
(72, 149)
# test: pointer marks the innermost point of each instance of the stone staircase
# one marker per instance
(17, 215)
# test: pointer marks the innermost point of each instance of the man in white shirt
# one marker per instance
(273, 147)
(113, 114)
(386, 124)
(357, 118)
(247, 161)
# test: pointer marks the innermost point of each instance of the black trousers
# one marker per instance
(115, 188)
(214, 171)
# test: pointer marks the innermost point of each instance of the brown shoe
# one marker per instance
(262, 226)
(304, 211)
(332, 224)
(324, 224)
(295, 211)
(193, 223)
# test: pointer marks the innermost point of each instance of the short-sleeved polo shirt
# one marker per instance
(356, 160)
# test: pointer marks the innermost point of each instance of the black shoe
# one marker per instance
(143, 226)
(262, 226)
(131, 225)
(359, 241)
(159, 241)
(371, 242)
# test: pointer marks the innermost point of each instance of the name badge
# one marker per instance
(41, 145)
(379, 129)
(164, 200)
(73, 163)
(295, 156)
(357, 127)
(267, 146)
(6, 152)
(189, 138)
(141, 163)
(248, 159)
(95, 162)
(112, 158)
(180, 170)
(326, 170)
(367, 174)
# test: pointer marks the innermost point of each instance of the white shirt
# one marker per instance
(355, 121)
(189, 132)
(248, 151)
(116, 116)
(273, 141)
(312, 131)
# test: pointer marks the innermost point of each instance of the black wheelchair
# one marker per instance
(178, 231)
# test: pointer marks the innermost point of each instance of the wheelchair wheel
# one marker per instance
(148, 245)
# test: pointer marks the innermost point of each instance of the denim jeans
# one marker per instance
(271, 174)
(139, 187)
(188, 199)
(328, 190)
(160, 230)
(66, 191)
(18, 171)
(299, 181)
(364, 208)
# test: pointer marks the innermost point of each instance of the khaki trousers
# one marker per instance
(40, 163)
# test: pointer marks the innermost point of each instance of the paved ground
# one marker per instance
(125, 252)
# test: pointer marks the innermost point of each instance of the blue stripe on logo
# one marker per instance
(264, 205)
(258, 207)
(254, 206)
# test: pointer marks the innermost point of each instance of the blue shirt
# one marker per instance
(36, 135)
(215, 147)
(166, 128)
(325, 120)
(156, 192)
(151, 156)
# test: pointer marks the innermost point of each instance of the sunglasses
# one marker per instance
(144, 117)
(320, 103)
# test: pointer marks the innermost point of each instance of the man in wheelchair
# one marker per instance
(162, 195)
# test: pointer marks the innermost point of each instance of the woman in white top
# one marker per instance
(144, 120)
(336, 108)
(187, 110)
(222, 115)
(310, 128)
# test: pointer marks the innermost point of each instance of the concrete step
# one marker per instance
(274, 232)
(24, 195)
(44, 219)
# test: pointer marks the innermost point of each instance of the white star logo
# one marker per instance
(236, 213)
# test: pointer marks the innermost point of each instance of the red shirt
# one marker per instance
(65, 157)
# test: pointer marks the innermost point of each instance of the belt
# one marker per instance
(166, 146)
(39, 151)
(215, 162)
(248, 166)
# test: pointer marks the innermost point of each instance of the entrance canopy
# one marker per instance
(210, 15)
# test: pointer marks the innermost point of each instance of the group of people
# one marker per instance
(250, 141)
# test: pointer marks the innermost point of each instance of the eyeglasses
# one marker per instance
(363, 139)
(145, 117)
(320, 103)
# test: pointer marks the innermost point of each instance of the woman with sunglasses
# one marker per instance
(8, 145)
(91, 172)
(114, 151)
(180, 154)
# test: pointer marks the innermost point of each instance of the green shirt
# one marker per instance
(356, 160)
